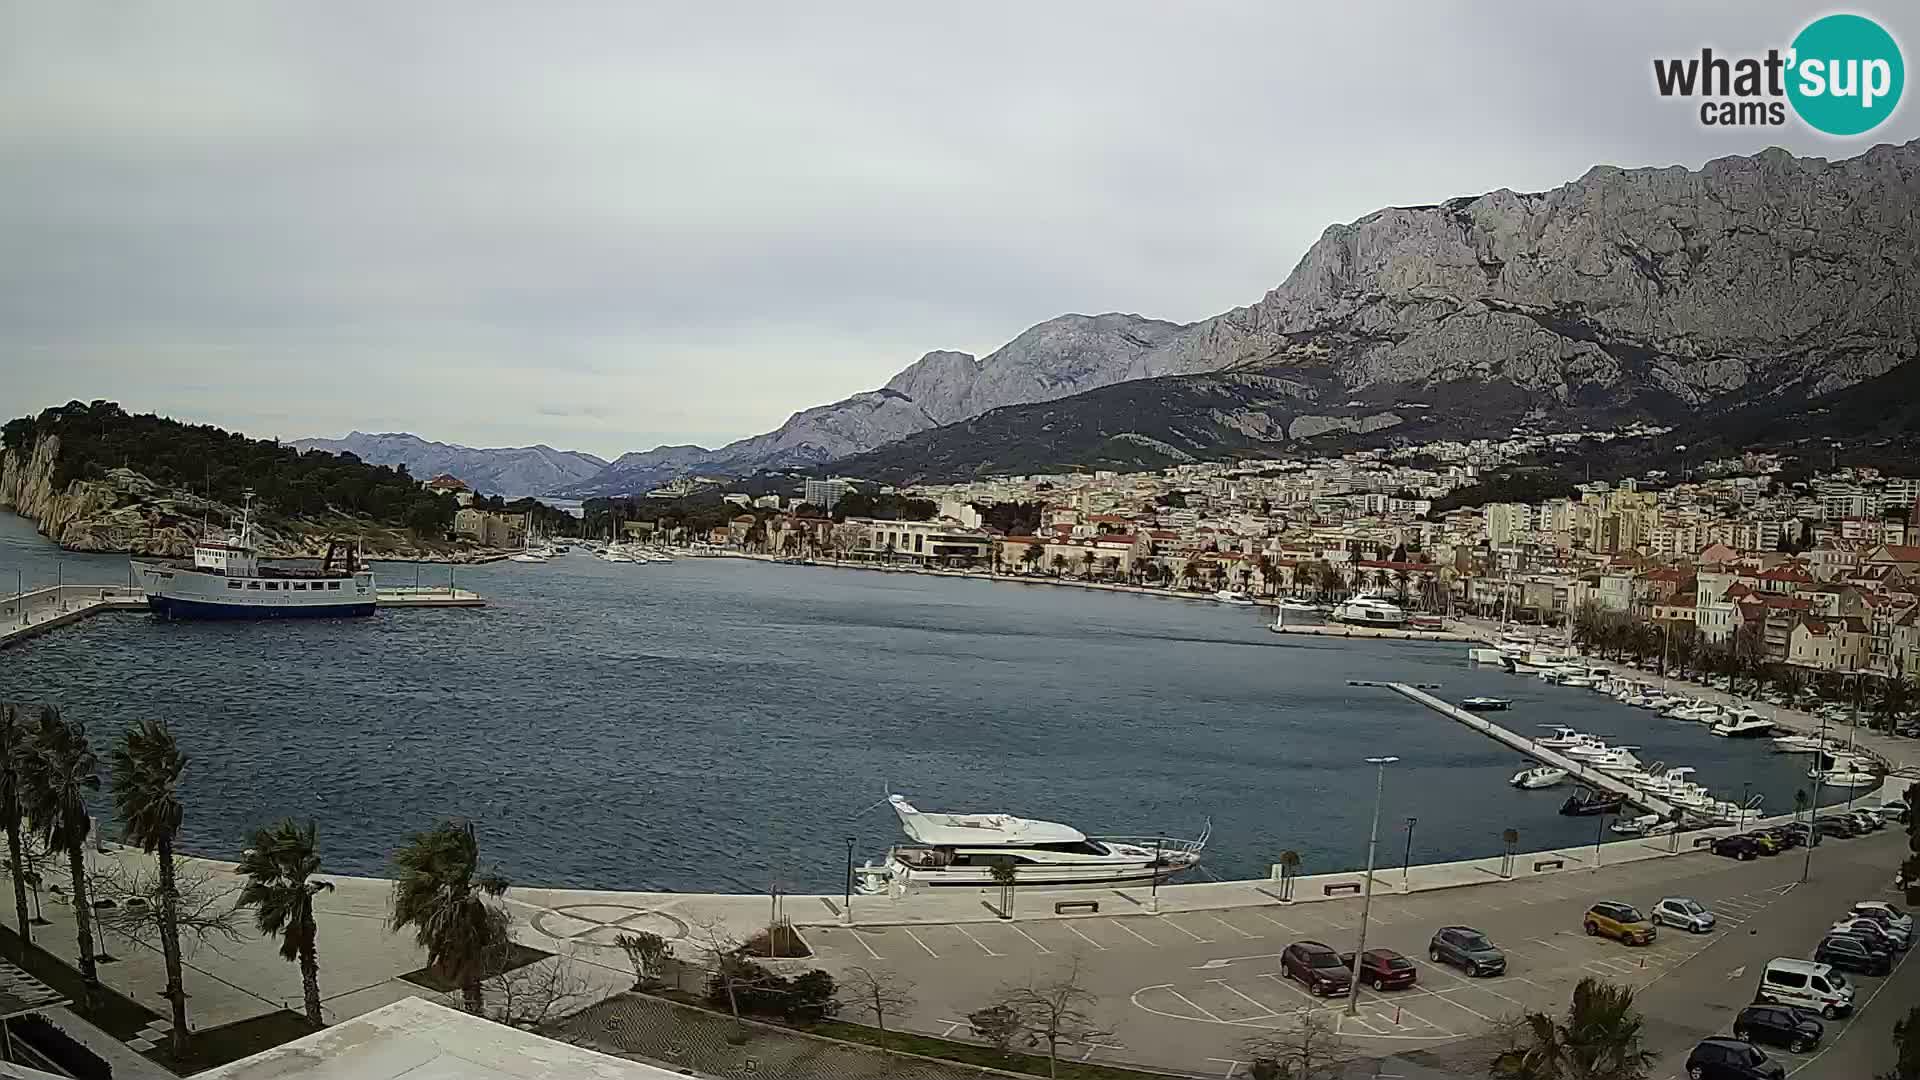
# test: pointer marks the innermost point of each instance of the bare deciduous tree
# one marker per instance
(880, 993)
(1310, 1051)
(731, 972)
(205, 903)
(537, 995)
(1055, 1010)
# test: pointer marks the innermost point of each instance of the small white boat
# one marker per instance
(1697, 713)
(1367, 610)
(1539, 776)
(1486, 704)
(1644, 825)
(1234, 597)
(1801, 744)
(527, 557)
(1846, 772)
(1563, 737)
(1480, 655)
(1581, 682)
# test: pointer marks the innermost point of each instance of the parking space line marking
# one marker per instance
(863, 944)
(1548, 944)
(1189, 933)
(1467, 1008)
(1194, 1007)
(1500, 995)
(1149, 941)
(922, 944)
(1232, 927)
(1083, 937)
(1274, 921)
(1282, 980)
(1030, 937)
(1343, 1018)
(976, 941)
(1270, 1014)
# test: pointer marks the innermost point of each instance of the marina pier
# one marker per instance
(36, 611)
(1591, 777)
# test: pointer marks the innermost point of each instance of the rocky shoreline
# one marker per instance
(126, 513)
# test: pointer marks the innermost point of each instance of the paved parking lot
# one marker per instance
(1183, 991)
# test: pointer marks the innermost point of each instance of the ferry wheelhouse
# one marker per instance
(225, 580)
(961, 850)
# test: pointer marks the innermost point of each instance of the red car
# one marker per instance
(1384, 969)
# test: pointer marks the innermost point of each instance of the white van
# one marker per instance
(1806, 984)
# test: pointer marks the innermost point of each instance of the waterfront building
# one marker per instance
(492, 528)
(825, 494)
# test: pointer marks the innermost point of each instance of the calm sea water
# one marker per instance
(719, 724)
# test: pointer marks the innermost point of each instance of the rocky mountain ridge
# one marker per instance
(507, 471)
(1056, 358)
(1663, 294)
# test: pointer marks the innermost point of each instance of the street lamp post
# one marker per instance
(1813, 808)
(1600, 834)
(846, 896)
(1407, 863)
(1153, 887)
(1366, 903)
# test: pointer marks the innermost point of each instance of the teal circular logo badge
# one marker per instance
(1846, 76)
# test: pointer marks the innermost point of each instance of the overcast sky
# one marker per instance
(609, 226)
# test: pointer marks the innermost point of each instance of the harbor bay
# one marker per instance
(721, 724)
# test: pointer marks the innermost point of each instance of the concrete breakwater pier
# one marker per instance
(36, 611)
(1587, 775)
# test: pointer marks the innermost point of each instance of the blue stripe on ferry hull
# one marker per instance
(175, 608)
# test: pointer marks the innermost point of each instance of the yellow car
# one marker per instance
(1622, 922)
(1769, 843)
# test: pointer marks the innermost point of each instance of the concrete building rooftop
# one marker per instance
(420, 1040)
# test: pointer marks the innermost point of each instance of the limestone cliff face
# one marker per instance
(1749, 276)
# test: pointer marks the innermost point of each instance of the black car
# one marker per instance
(1316, 967)
(1802, 833)
(1736, 847)
(1777, 1025)
(1731, 1059)
(1467, 949)
(1850, 953)
(1836, 826)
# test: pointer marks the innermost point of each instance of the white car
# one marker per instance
(1872, 930)
(1886, 915)
(1683, 912)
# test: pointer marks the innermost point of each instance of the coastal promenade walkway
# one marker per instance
(1591, 777)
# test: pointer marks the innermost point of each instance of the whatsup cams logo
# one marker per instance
(1842, 75)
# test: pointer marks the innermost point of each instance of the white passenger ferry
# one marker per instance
(226, 581)
(960, 850)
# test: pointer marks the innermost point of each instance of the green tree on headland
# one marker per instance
(222, 465)
(440, 892)
(280, 888)
(147, 766)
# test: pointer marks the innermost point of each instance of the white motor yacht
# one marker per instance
(1697, 713)
(1477, 655)
(1234, 597)
(1743, 724)
(1539, 776)
(1366, 610)
(961, 850)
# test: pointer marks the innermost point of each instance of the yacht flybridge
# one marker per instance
(961, 850)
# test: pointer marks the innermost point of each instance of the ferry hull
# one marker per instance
(168, 607)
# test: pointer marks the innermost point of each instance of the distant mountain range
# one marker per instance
(510, 472)
(1728, 298)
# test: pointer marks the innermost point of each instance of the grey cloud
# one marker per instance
(670, 224)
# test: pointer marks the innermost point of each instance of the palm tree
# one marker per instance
(441, 892)
(1894, 700)
(12, 738)
(279, 868)
(1602, 1038)
(1059, 563)
(146, 790)
(1086, 564)
(56, 770)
